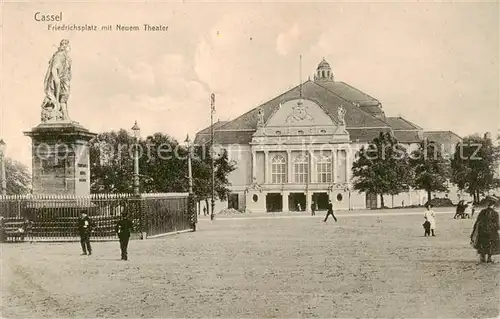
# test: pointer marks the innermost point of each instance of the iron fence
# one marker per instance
(38, 218)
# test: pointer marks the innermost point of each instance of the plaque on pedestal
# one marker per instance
(60, 158)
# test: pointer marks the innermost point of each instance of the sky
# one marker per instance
(436, 64)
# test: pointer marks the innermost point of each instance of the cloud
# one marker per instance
(286, 41)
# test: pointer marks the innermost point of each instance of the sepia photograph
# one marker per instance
(265, 159)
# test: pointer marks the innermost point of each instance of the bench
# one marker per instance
(13, 229)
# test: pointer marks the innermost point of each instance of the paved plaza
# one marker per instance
(362, 266)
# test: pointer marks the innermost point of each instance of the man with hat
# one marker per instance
(484, 237)
(123, 229)
(84, 229)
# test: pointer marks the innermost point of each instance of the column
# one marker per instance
(348, 165)
(266, 167)
(312, 176)
(335, 164)
(289, 173)
(284, 198)
(254, 164)
(308, 201)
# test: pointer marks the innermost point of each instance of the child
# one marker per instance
(427, 227)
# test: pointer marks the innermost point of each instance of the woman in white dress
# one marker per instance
(431, 218)
(468, 210)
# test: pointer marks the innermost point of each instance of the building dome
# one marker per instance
(323, 65)
(323, 72)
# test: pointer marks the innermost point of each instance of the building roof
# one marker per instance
(361, 125)
(226, 137)
(349, 93)
(365, 135)
(203, 136)
(330, 102)
(399, 123)
(407, 137)
(361, 119)
(216, 125)
(442, 137)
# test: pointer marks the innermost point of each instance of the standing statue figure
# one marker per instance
(341, 115)
(260, 120)
(57, 85)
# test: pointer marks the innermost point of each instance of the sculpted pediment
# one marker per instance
(299, 112)
(297, 121)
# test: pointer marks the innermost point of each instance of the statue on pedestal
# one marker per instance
(57, 85)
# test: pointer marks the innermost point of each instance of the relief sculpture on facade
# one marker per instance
(299, 114)
(255, 186)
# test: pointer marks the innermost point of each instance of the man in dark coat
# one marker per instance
(330, 211)
(484, 237)
(313, 209)
(123, 229)
(84, 229)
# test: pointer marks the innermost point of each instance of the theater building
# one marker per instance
(298, 148)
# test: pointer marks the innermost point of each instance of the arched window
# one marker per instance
(300, 169)
(324, 169)
(278, 169)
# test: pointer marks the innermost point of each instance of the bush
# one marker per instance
(440, 202)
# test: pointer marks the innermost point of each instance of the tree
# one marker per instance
(431, 170)
(162, 162)
(222, 169)
(111, 163)
(163, 165)
(474, 165)
(202, 174)
(18, 177)
(382, 167)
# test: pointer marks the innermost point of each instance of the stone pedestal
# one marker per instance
(60, 158)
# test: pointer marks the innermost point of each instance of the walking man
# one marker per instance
(84, 229)
(123, 229)
(330, 211)
(313, 209)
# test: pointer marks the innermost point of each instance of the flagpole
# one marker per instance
(300, 75)
(212, 111)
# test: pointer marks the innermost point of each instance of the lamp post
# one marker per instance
(137, 132)
(348, 189)
(3, 180)
(212, 103)
(191, 198)
(190, 173)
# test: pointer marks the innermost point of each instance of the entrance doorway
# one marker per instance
(321, 200)
(371, 201)
(297, 202)
(274, 202)
(232, 201)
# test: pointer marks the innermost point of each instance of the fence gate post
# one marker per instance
(144, 218)
(192, 211)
